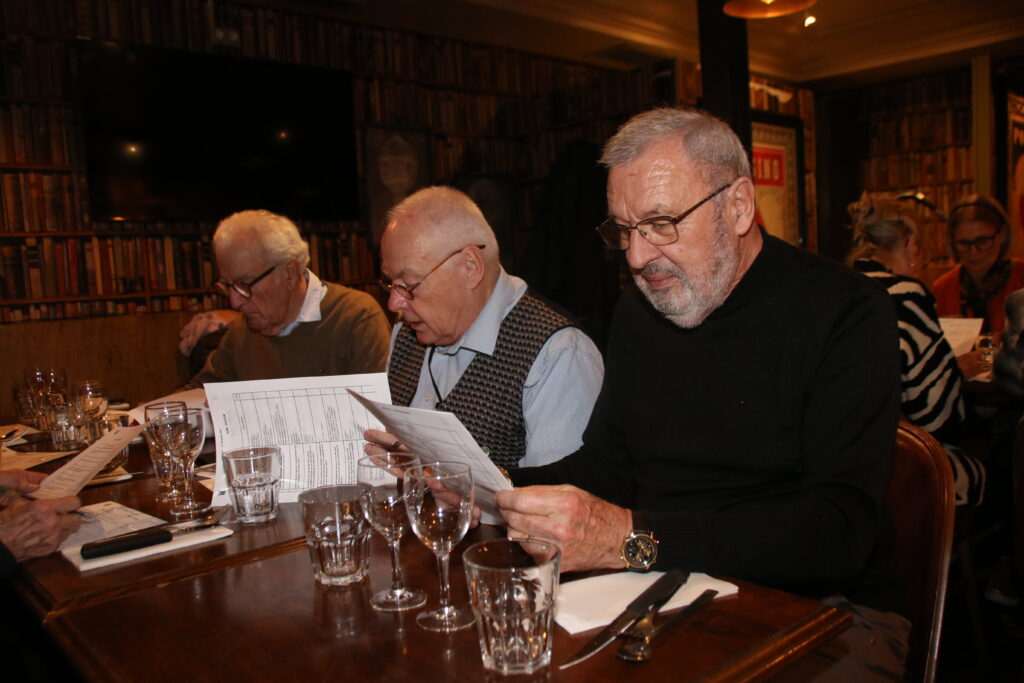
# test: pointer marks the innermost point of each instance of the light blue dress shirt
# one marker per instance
(560, 388)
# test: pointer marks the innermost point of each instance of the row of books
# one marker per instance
(487, 156)
(928, 93)
(919, 130)
(40, 134)
(61, 310)
(344, 257)
(35, 68)
(47, 17)
(773, 96)
(43, 202)
(47, 268)
(902, 169)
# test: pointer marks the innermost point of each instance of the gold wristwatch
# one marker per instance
(639, 550)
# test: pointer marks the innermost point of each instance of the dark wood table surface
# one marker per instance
(247, 606)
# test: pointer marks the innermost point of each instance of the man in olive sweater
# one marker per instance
(293, 325)
(748, 413)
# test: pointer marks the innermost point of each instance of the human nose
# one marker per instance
(640, 252)
(396, 302)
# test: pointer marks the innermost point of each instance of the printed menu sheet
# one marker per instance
(72, 477)
(314, 420)
(438, 435)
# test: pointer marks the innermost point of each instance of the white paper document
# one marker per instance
(72, 477)
(314, 420)
(439, 435)
(961, 333)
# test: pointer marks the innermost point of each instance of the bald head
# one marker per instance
(439, 243)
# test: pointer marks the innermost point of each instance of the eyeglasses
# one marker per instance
(243, 289)
(405, 291)
(659, 230)
(979, 243)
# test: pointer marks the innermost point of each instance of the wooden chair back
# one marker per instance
(921, 501)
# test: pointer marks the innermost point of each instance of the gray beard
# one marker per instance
(690, 301)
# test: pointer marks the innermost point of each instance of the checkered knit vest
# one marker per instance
(488, 398)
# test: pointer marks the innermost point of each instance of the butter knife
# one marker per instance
(658, 592)
(144, 538)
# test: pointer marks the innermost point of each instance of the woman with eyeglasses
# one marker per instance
(886, 249)
(980, 239)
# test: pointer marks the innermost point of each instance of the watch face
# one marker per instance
(640, 551)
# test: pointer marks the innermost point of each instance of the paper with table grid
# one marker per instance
(314, 420)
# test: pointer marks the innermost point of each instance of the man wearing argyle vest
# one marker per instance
(473, 341)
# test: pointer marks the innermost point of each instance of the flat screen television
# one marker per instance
(173, 135)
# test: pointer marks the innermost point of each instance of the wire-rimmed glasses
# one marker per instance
(405, 291)
(658, 230)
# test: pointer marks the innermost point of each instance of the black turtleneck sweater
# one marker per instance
(756, 445)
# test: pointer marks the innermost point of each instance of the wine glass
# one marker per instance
(91, 394)
(49, 382)
(163, 462)
(383, 502)
(439, 504)
(181, 434)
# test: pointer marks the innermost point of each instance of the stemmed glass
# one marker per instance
(49, 383)
(91, 395)
(181, 434)
(163, 462)
(380, 478)
(439, 504)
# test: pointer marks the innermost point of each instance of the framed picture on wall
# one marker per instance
(397, 164)
(1015, 174)
(778, 176)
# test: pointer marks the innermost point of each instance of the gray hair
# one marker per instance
(984, 208)
(707, 142)
(453, 219)
(277, 235)
(881, 223)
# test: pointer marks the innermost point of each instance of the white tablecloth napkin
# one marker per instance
(106, 519)
(589, 603)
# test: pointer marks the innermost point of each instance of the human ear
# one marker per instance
(739, 210)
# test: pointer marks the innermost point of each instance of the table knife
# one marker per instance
(658, 592)
(144, 538)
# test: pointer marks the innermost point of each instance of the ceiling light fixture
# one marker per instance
(765, 9)
(809, 19)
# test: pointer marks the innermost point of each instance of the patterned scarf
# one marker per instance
(974, 297)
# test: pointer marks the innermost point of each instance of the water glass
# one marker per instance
(68, 426)
(25, 404)
(92, 395)
(987, 345)
(512, 587)
(163, 460)
(337, 534)
(254, 479)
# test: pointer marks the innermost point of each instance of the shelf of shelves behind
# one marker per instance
(55, 168)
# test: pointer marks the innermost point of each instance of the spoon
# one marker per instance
(639, 649)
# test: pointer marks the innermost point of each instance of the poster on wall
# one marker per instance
(776, 180)
(397, 164)
(1015, 176)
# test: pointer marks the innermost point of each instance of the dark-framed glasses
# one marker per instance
(978, 243)
(406, 291)
(243, 289)
(659, 230)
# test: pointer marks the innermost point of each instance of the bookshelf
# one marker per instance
(915, 136)
(485, 111)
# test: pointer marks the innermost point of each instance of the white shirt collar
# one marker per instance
(310, 311)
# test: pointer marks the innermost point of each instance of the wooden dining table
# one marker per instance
(247, 606)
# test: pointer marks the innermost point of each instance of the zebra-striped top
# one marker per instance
(931, 377)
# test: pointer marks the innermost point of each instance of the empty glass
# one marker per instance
(383, 493)
(181, 434)
(68, 426)
(91, 394)
(163, 462)
(254, 478)
(48, 381)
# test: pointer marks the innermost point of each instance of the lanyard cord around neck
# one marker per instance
(430, 371)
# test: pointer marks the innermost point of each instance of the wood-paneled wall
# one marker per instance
(136, 355)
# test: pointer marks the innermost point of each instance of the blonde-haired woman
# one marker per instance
(886, 249)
